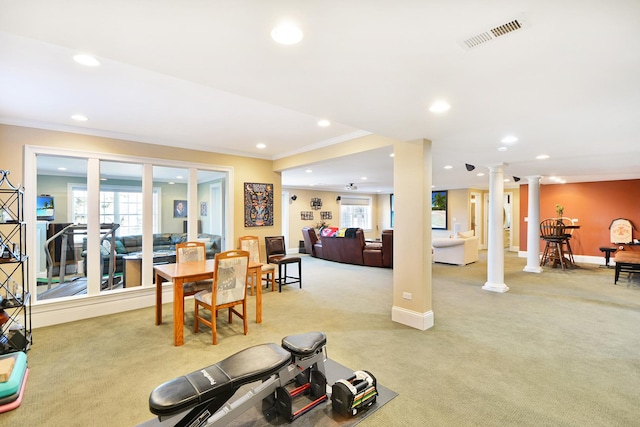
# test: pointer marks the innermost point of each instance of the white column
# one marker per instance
(533, 224)
(495, 254)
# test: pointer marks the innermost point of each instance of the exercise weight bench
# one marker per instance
(201, 397)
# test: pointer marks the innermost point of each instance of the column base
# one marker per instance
(532, 269)
(495, 287)
(421, 321)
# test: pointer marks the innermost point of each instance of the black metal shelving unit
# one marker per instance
(15, 302)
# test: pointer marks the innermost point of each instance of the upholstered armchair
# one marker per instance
(460, 250)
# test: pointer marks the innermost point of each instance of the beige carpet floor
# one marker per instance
(561, 348)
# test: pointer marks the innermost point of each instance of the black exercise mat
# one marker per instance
(322, 415)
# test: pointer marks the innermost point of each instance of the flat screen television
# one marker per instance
(45, 208)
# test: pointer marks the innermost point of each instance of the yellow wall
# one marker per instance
(380, 212)
(14, 138)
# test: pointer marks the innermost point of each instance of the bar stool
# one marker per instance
(277, 254)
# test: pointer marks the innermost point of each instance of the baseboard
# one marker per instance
(421, 321)
(69, 309)
(582, 259)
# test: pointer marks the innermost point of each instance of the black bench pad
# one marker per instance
(220, 379)
(304, 345)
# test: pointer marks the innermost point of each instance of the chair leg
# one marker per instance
(214, 333)
(195, 313)
(244, 318)
(300, 273)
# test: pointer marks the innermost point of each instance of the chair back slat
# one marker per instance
(551, 228)
(251, 244)
(230, 276)
(275, 247)
(190, 252)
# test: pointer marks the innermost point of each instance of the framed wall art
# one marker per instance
(306, 215)
(179, 208)
(258, 204)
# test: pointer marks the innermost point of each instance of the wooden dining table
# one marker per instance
(179, 273)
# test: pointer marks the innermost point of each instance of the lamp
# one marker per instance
(350, 186)
(294, 197)
(516, 178)
(469, 167)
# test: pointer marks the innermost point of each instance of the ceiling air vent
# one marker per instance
(493, 33)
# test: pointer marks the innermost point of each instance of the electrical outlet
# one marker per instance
(407, 295)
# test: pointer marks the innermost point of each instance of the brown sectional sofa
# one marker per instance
(350, 250)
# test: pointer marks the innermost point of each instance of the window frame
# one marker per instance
(345, 203)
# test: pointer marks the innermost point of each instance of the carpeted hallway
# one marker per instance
(559, 349)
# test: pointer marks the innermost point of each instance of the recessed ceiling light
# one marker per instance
(308, 171)
(448, 167)
(439, 107)
(103, 179)
(86, 60)
(62, 168)
(392, 155)
(79, 117)
(510, 139)
(480, 174)
(179, 177)
(502, 148)
(261, 146)
(171, 183)
(364, 178)
(542, 156)
(324, 123)
(287, 33)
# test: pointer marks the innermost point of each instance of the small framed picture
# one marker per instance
(306, 215)
(179, 208)
(203, 208)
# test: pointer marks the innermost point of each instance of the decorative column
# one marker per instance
(533, 224)
(495, 254)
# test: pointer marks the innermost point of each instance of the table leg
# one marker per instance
(158, 299)
(178, 312)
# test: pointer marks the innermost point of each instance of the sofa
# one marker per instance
(461, 249)
(128, 245)
(349, 246)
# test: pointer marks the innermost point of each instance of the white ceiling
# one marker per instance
(206, 75)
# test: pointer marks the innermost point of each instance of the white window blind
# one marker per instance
(355, 212)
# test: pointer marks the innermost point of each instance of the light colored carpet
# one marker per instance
(560, 349)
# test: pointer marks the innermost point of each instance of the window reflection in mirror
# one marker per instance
(59, 261)
(120, 210)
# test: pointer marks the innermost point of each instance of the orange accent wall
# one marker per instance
(595, 204)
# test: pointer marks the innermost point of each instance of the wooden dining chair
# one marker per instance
(190, 252)
(229, 290)
(251, 244)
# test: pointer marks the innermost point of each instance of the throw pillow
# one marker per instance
(120, 249)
